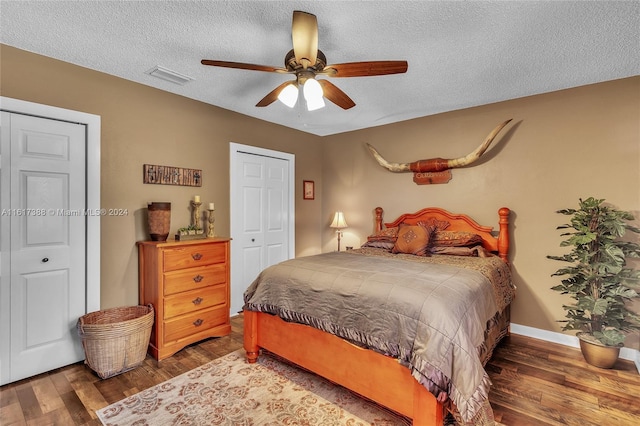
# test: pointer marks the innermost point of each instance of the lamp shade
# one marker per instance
(338, 221)
(313, 94)
(315, 104)
(289, 95)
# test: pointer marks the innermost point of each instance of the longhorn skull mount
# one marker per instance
(437, 170)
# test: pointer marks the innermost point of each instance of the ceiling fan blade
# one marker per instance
(336, 95)
(365, 69)
(243, 66)
(304, 34)
(273, 95)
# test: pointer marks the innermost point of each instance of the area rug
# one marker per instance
(229, 391)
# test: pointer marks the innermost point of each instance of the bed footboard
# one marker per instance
(370, 374)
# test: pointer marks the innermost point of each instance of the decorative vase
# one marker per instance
(159, 220)
(597, 354)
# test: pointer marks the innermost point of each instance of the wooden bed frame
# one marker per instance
(366, 372)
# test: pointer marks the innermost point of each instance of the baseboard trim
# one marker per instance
(567, 340)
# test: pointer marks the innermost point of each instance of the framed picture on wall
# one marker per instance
(308, 190)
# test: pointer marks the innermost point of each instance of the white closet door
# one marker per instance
(261, 218)
(47, 216)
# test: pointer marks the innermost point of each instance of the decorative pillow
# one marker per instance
(388, 245)
(412, 239)
(455, 239)
(388, 234)
(476, 251)
(433, 223)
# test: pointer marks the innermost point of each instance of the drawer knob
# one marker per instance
(197, 300)
(196, 256)
(198, 278)
(198, 322)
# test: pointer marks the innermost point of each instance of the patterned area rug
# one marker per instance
(229, 391)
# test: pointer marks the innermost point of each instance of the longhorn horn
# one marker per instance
(438, 164)
(470, 158)
(394, 167)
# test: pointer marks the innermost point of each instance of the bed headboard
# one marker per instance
(458, 222)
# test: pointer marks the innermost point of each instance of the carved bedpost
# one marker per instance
(378, 211)
(503, 236)
(251, 336)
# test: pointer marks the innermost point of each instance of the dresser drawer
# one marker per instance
(193, 255)
(194, 278)
(196, 322)
(194, 300)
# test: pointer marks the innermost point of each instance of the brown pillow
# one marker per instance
(455, 239)
(387, 245)
(388, 234)
(412, 239)
(476, 251)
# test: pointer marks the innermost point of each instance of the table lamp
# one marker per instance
(339, 223)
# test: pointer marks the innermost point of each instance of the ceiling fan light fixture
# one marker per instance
(315, 104)
(313, 94)
(289, 95)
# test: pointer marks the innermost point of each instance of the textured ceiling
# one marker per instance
(460, 54)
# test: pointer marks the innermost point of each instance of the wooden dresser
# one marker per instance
(187, 282)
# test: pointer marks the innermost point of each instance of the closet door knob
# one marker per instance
(45, 260)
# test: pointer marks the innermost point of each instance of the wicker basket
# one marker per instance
(115, 340)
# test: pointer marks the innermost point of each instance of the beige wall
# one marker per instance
(560, 146)
(142, 125)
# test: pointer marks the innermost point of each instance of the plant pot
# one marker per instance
(597, 354)
(159, 220)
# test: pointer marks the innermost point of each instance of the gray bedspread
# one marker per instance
(428, 314)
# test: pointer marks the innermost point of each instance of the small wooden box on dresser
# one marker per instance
(187, 282)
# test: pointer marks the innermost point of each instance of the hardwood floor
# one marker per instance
(534, 383)
(541, 383)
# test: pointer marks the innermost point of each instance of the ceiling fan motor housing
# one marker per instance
(292, 65)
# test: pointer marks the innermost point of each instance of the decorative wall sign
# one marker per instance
(427, 178)
(168, 175)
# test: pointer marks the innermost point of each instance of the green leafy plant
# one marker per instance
(192, 228)
(598, 279)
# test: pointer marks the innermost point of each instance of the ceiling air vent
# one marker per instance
(168, 75)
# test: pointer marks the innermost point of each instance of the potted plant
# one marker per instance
(598, 279)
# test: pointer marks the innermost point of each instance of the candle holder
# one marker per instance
(195, 214)
(210, 229)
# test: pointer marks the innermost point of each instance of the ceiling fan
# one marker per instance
(306, 62)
